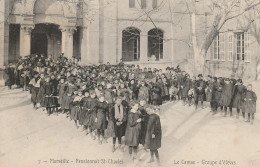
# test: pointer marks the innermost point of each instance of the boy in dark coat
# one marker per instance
(118, 114)
(153, 135)
(133, 130)
(249, 103)
(156, 94)
(48, 100)
(238, 97)
(101, 117)
(226, 96)
(144, 116)
(91, 107)
(200, 91)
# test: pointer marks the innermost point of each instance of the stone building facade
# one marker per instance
(95, 31)
(140, 32)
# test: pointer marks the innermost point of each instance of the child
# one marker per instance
(83, 111)
(143, 93)
(118, 117)
(101, 114)
(66, 103)
(48, 101)
(61, 90)
(190, 96)
(76, 107)
(133, 130)
(249, 104)
(91, 106)
(35, 89)
(144, 116)
(153, 135)
(173, 91)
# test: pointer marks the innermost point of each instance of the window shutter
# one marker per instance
(247, 47)
(221, 46)
(215, 48)
(230, 46)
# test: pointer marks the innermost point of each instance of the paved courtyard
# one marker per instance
(30, 138)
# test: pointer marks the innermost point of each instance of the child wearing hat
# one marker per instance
(249, 103)
(133, 130)
(101, 117)
(239, 90)
(153, 134)
(118, 116)
(91, 106)
(76, 107)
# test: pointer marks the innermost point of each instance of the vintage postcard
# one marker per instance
(136, 83)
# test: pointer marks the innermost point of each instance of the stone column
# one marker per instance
(67, 41)
(25, 40)
(84, 45)
(49, 45)
(143, 47)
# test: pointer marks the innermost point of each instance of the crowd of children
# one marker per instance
(123, 100)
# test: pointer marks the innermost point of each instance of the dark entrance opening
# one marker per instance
(39, 44)
(46, 40)
(14, 43)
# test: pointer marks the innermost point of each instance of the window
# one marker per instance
(155, 44)
(143, 4)
(130, 44)
(243, 46)
(154, 4)
(247, 48)
(230, 46)
(219, 47)
(131, 3)
(240, 46)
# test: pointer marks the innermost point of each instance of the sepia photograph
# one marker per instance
(129, 83)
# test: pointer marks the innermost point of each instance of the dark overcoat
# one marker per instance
(119, 131)
(133, 130)
(75, 109)
(48, 100)
(249, 102)
(153, 128)
(156, 95)
(186, 87)
(101, 111)
(145, 117)
(226, 95)
(209, 91)
(143, 94)
(238, 96)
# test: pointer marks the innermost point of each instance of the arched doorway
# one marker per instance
(130, 44)
(155, 44)
(46, 40)
(46, 37)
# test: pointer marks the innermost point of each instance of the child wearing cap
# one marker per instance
(101, 117)
(249, 103)
(153, 134)
(76, 107)
(133, 130)
(118, 116)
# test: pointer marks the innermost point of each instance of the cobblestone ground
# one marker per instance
(30, 138)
